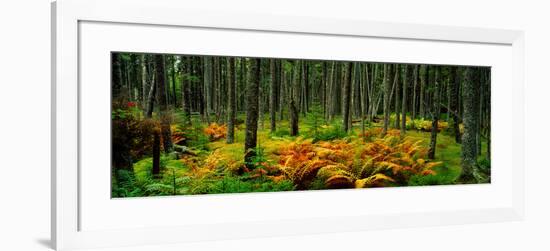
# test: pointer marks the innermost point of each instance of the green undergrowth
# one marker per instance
(225, 176)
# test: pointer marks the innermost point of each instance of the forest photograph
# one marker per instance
(194, 124)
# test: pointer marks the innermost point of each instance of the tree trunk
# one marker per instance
(469, 155)
(186, 72)
(415, 83)
(406, 78)
(252, 112)
(387, 93)
(294, 99)
(116, 74)
(151, 97)
(347, 97)
(231, 106)
(208, 84)
(481, 93)
(163, 106)
(364, 92)
(173, 71)
(423, 72)
(273, 95)
(435, 116)
(397, 98)
(454, 87)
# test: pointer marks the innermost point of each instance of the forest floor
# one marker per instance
(217, 167)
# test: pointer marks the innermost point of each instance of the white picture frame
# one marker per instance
(74, 21)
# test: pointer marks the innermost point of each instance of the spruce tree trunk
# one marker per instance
(273, 95)
(364, 91)
(151, 97)
(252, 111)
(435, 116)
(283, 93)
(208, 85)
(347, 97)
(231, 106)
(481, 88)
(387, 93)
(415, 83)
(469, 155)
(423, 72)
(397, 98)
(116, 74)
(173, 71)
(454, 88)
(294, 99)
(186, 88)
(406, 78)
(143, 80)
(163, 104)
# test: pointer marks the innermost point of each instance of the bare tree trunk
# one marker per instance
(387, 92)
(435, 116)
(151, 97)
(273, 95)
(283, 93)
(294, 99)
(406, 78)
(364, 92)
(143, 80)
(208, 84)
(469, 155)
(347, 97)
(173, 71)
(397, 98)
(231, 107)
(454, 88)
(415, 82)
(252, 112)
(423, 72)
(163, 106)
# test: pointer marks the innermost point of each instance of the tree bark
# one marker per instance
(387, 93)
(406, 78)
(397, 98)
(208, 84)
(423, 72)
(435, 116)
(231, 106)
(454, 85)
(163, 106)
(347, 97)
(413, 95)
(469, 155)
(273, 95)
(252, 112)
(151, 97)
(116, 74)
(294, 99)
(173, 71)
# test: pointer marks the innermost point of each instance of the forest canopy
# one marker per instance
(191, 124)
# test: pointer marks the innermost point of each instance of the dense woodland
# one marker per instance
(185, 124)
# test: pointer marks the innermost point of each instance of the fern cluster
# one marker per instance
(216, 131)
(387, 161)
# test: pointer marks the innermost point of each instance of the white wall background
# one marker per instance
(25, 125)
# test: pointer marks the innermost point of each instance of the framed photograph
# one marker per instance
(173, 124)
